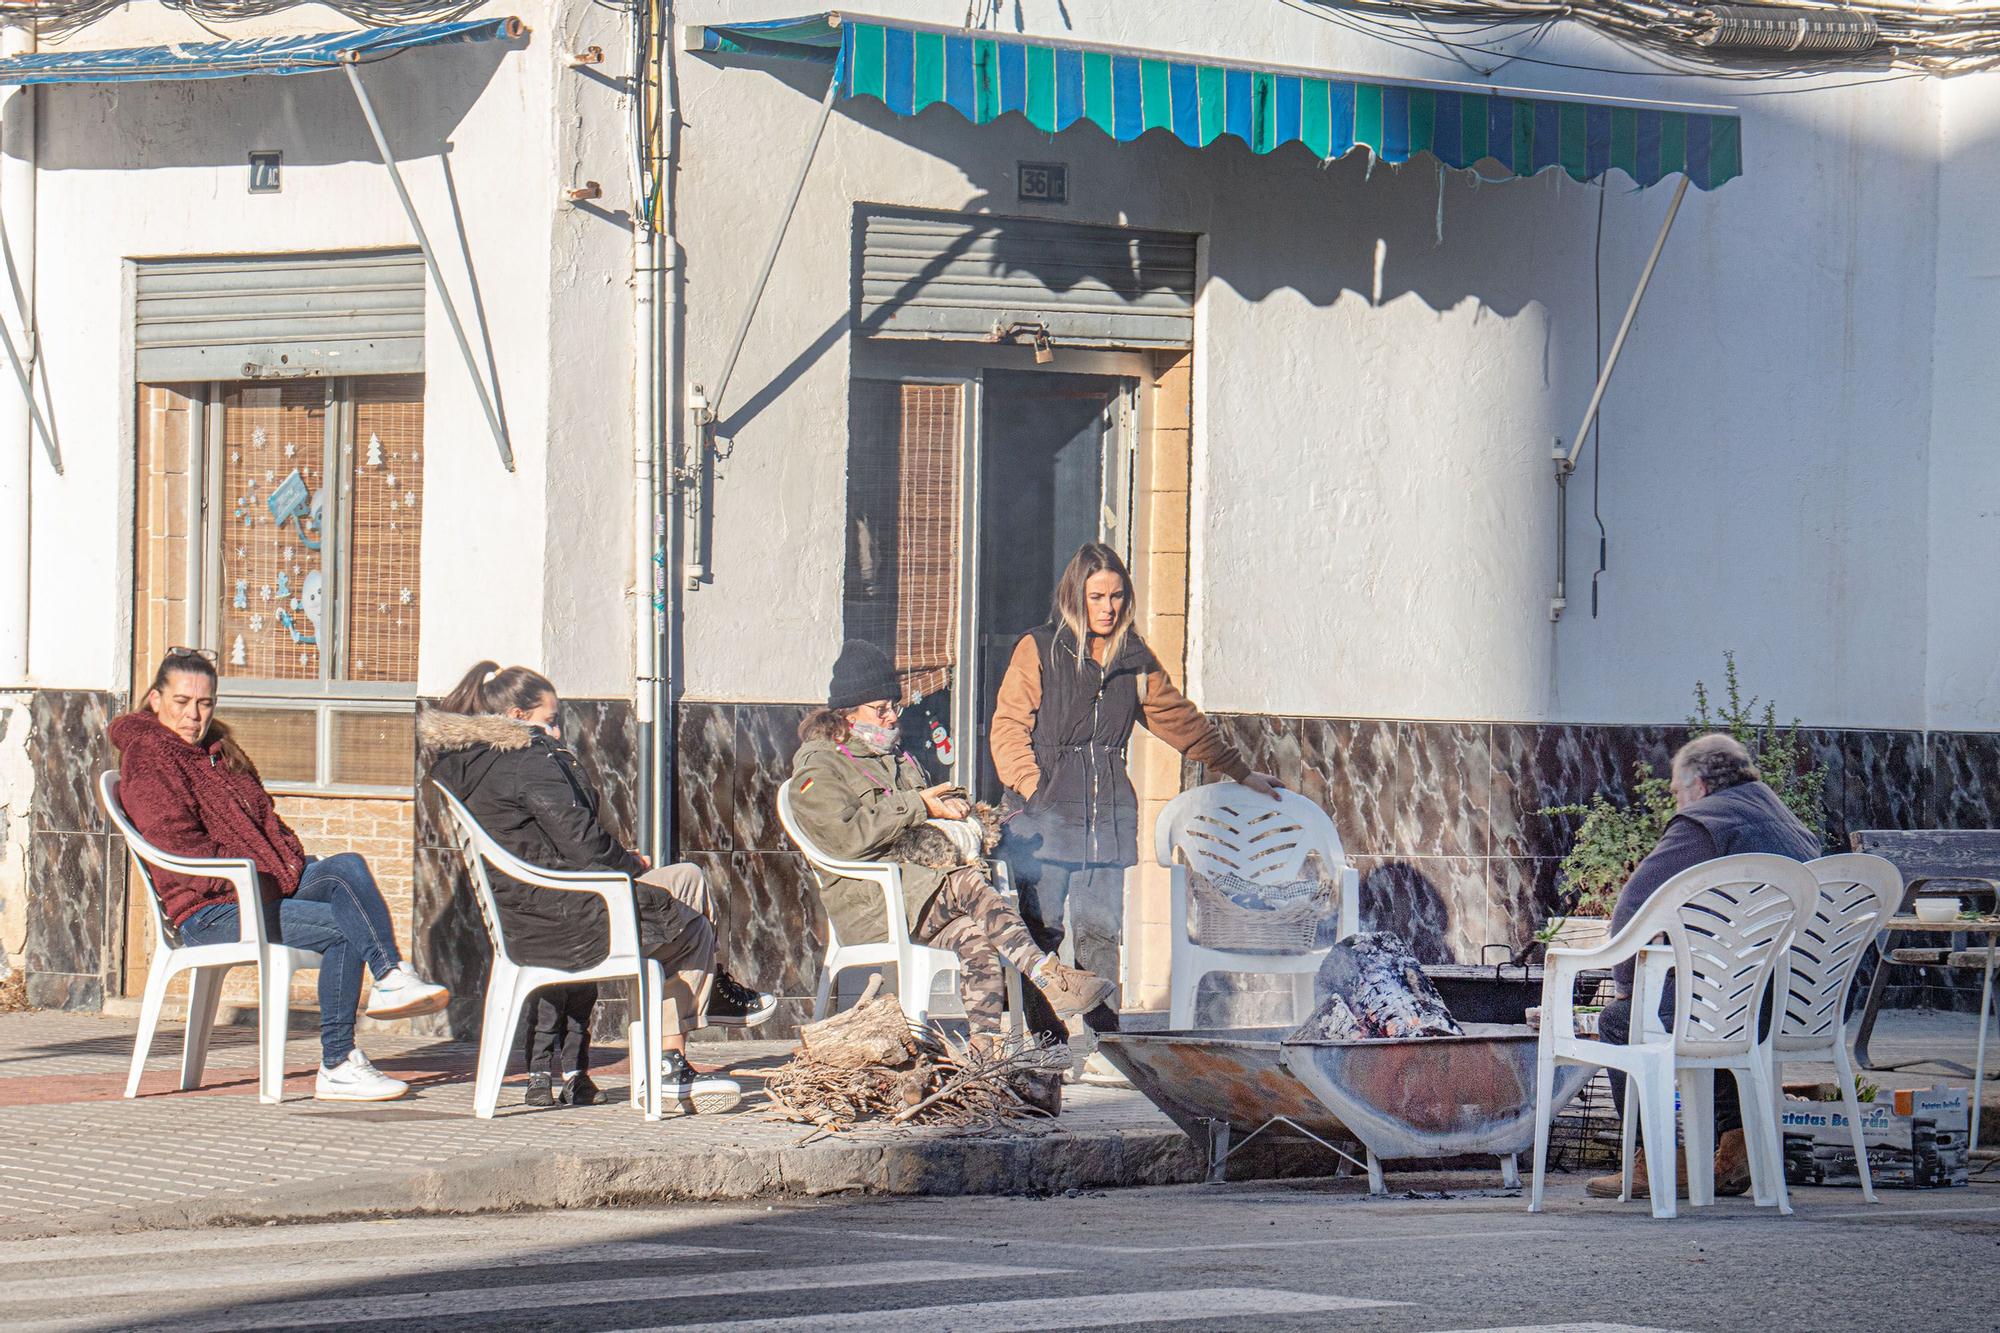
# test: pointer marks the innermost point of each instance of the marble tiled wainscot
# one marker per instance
(76, 867)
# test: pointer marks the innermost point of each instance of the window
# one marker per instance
(311, 591)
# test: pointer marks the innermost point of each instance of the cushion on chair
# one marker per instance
(1231, 912)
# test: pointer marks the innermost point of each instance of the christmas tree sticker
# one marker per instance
(374, 450)
(236, 652)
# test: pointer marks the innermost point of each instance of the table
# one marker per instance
(1989, 926)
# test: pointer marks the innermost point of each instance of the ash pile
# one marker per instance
(1371, 987)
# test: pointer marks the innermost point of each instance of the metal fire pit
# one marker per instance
(1417, 1098)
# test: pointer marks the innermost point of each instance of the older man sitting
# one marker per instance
(1724, 809)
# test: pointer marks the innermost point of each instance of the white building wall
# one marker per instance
(1375, 406)
(530, 566)
(1964, 532)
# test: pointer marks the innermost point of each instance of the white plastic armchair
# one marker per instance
(1227, 829)
(918, 968)
(1729, 924)
(208, 964)
(509, 984)
(1857, 894)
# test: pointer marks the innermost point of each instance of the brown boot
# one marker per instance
(1070, 990)
(1732, 1164)
(1607, 1187)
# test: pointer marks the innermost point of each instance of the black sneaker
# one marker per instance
(579, 1091)
(689, 1092)
(734, 1005)
(541, 1090)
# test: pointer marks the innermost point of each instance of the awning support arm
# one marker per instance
(1624, 328)
(1566, 460)
(28, 392)
(353, 73)
(713, 407)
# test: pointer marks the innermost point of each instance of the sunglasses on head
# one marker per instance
(207, 655)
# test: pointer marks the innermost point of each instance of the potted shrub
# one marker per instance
(1614, 838)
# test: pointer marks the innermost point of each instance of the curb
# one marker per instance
(516, 1182)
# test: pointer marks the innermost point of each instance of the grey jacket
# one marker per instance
(1744, 818)
(853, 803)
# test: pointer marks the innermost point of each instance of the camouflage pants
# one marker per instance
(967, 917)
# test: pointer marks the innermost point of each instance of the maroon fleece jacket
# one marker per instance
(182, 800)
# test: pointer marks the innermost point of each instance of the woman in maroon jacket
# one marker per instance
(190, 790)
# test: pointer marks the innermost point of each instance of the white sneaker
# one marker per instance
(404, 994)
(692, 1093)
(355, 1080)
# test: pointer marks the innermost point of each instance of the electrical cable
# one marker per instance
(1597, 423)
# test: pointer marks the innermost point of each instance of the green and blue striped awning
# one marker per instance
(1125, 93)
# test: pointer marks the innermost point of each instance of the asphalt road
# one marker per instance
(1305, 1255)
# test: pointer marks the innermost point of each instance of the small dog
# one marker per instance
(946, 844)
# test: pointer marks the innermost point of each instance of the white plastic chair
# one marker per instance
(918, 968)
(1227, 829)
(1857, 894)
(1729, 924)
(208, 964)
(509, 984)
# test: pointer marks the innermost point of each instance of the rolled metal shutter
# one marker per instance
(280, 316)
(958, 276)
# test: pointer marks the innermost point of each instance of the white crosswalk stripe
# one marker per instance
(517, 1297)
(1105, 1311)
(336, 1269)
(1565, 1328)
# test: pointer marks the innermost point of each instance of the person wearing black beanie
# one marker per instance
(862, 674)
(854, 791)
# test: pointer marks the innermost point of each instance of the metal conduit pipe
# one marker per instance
(669, 377)
(17, 455)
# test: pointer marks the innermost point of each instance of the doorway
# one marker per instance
(1055, 465)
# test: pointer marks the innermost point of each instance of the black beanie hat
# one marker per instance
(862, 674)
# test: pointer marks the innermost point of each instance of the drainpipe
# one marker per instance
(667, 374)
(645, 629)
(17, 221)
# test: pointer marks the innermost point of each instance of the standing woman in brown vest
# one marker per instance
(1073, 691)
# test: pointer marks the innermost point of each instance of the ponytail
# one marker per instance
(487, 688)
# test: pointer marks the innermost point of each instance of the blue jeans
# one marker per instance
(337, 912)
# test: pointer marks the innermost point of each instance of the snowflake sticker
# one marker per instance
(382, 607)
(286, 554)
(290, 450)
(303, 659)
(241, 554)
(410, 499)
(259, 437)
(416, 455)
(235, 456)
(270, 476)
(392, 502)
(257, 624)
(404, 596)
(391, 480)
(264, 593)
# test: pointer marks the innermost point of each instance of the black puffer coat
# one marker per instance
(1085, 811)
(524, 788)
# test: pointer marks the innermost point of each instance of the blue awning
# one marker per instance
(1126, 92)
(302, 54)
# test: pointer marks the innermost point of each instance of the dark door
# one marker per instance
(1046, 443)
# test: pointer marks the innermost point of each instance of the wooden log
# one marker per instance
(873, 1032)
(1371, 986)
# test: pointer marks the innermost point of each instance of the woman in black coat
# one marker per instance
(498, 744)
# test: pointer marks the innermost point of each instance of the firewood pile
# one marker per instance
(867, 1065)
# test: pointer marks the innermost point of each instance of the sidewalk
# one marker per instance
(75, 1156)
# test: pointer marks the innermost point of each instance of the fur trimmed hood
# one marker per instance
(444, 732)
